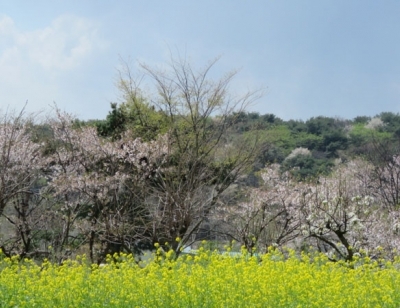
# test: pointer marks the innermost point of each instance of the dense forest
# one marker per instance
(191, 163)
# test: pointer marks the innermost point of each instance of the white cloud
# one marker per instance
(63, 45)
(35, 63)
(6, 26)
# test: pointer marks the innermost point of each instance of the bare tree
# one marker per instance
(202, 162)
(385, 176)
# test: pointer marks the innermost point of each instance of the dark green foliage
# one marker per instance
(308, 141)
(114, 124)
(137, 116)
(245, 122)
(333, 141)
(391, 123)
(320, 125)
(296, 126)
(269, 155)
(271, 118)
(304, 166)
(361, 120)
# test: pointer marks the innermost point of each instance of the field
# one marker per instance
(207, 279)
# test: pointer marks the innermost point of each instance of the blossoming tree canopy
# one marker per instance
(19, 158)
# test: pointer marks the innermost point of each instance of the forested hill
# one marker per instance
(311, 147)
(305, 148)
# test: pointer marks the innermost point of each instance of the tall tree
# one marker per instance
(202, 162)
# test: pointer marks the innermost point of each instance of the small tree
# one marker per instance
(385, 175)
(265, 218)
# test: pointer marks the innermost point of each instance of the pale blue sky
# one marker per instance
(333, 58)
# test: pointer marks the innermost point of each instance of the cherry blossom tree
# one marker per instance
(19, 158)
(102, 185)
(22, 206)
(342, 215)
(264, 219)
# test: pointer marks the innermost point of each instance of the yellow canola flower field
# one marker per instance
(208, 279)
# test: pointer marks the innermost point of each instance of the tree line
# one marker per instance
(185, 161)
(150, 173)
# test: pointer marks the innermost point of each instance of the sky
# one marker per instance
(335, 58)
